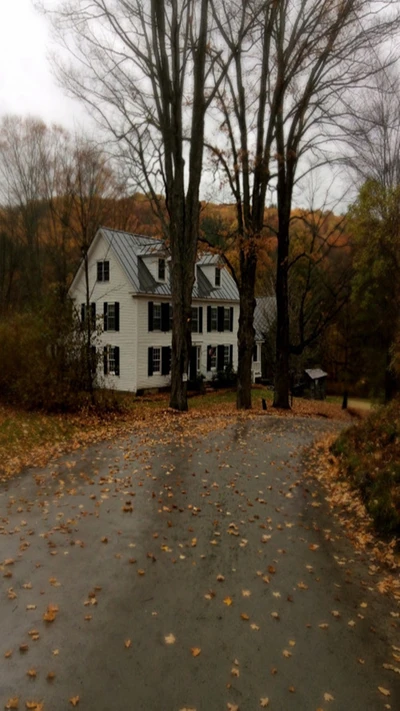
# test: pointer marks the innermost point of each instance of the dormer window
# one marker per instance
(161, 270)
(217, 276)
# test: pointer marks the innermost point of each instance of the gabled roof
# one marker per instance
(132, 251)
(264, 316)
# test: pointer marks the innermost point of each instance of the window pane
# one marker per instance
(157, 317)
(227, 319)
(213, 357)
(156, 360)
(106, 271)
(226, 356)
(195, 319)
(217, 276)
(161, 269)
(213, 318)
(111, 359)
(111, 317)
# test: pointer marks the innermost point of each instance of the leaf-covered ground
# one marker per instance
(193, 565)
(32, 438)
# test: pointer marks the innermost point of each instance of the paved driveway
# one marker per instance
(188, 573)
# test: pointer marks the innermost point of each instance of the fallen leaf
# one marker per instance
(195, 651)
(50, 676)
(74, 700)
(141, 572)
(292, 689)
(23, 647)
(232, 707)
(235, 671)
(128, 643)
(246, 593)
(323, 626)
(328, 697)
(275, 615)
(50, 614)
(228, 601)
(34, 705)
(12, 703)
(384, 691)
(254, 626)
(170, 638)
(313, 546)
(244, 616)
(8, 654)
(32, 673)
(220, 578)
(286, 653)
(264, 701)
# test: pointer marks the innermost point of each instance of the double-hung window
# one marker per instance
(103, 271)
(214, 318)
(111, 316)
(157, 317)
(227, 319)
(156, 360)
(111, 360)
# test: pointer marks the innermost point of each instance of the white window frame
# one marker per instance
(111, 318)
(198, 359)
(157, 357)
(158, 317)
(214, 318)
(195, 321)
(213, 357)
(226, 356)
(103, 262)
(111, 360)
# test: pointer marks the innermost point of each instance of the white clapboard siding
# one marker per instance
(117, 289)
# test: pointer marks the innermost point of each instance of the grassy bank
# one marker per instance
(369, 455)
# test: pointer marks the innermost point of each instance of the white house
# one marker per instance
(130, 296)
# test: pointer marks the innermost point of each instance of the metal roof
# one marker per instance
(131, 251)
(316, 373)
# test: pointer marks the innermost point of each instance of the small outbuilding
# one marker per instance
(315, 383)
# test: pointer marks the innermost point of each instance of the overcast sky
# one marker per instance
(26, 82)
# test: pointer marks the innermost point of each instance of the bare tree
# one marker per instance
(286, 96)
(146, 71)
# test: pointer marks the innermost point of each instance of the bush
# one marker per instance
(44, 359)
(370, 456)
(226, 378)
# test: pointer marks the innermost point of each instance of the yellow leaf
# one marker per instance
(275, 615)
(254, 626)
(12, 703)
(323, 626)
(286, 653)
(170, 638)
(31, 673)
(228, 601)
(244, 616)
(34, 705)
(220, 578)
(313, 546)
(235, 671)
(50, 614)
(232, 707)
(128, 643)
(195, 651)
(246, 593)
(141, 572)
(264, 701)
(384, 691)
(8, 654)
(328, 697)
(194, 542)
(74, 700)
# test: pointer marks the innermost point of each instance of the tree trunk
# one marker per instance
(282, 379)
(182, 279)
(88, 325)
(246, 331)
(391, 383)
(345, 399)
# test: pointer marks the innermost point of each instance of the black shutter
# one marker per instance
(231, 356)
(220, 318)
(200, 319)
(105, 360)
(105, 311)
(165, 317)
(150, 361)
(116, 359)
(220, 357)
(208, 318)
(209, 357)
(231, 319)
(193, 363)
(93, 314)
(171, 314)
(116, 311)
(83, 313)
(255, 352)
(99, 271)
(150, 321)
(165, 360)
